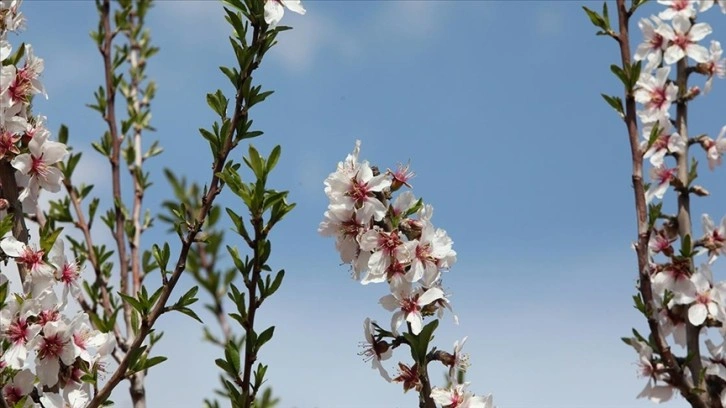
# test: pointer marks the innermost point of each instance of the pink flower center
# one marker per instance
(39, 166)
(658, 97)
(69, 273)
(666, 175)
(31, 259)
(51, 346)
(388, 242)
(18, 331)
(13, 394)
(47, 316)
(410, 305)
(681, 41)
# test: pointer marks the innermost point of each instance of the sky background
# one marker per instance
(496, 105)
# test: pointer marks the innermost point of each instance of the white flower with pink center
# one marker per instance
(656, 94)
(653, 43)
(662, 177)
(384, 247)
(90, 344)
(374, 350)
(702, 297)
(20, 386)
(683, 8)
(346, 225)
(674, 277)
(715, 66)
(38, 166)
(456, 396)
(26, 256)
(407, 307)
(345, 169)
(648, 368)
(66, 272)
(53, 347)
(358, 191)
(683, 40)
(667, 141)
(16, 328)
(432, 247)
(714, 239)
(715, 149)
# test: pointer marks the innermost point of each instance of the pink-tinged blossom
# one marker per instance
(38, 167)
(461, 360)
(358, 191)
(683, 40)
(66, 272)
(714, 238)
(20, 386)
(404, 202)
(652, 370)
(384, 247)
(702, 297)
(407, 307)
(715, 66)
(457, 396)
(401, 176)
(667, 141)
(375, 351)
(17, 329)
(26, 256)
(346, 225)
(683, 8)
(653, 43)
(660, 243)
(54, 346)
(715, 149)
(345, 169)
(656, 94)
(408, 376)
(662, 177)
(674, 277)
(433, 251)
(275, 9)
(18, 85)
(89, 344)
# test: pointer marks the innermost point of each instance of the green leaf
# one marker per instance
(616, 103)
(47, 239)
(425, 337)
(151, 362)
(232, 355)
(595, 18)
(264, 337)
(272, 288)
(272, 160)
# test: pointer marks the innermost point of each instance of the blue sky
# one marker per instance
(497, 106)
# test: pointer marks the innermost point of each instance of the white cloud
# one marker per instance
(549, 22)
(411, 19)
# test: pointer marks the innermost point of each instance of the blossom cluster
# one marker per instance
(683, 292)
(45, 351)
(393, 241)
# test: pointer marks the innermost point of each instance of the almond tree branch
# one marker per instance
(677, 377)
(106, 50)
(215, 187)
(10, 192)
